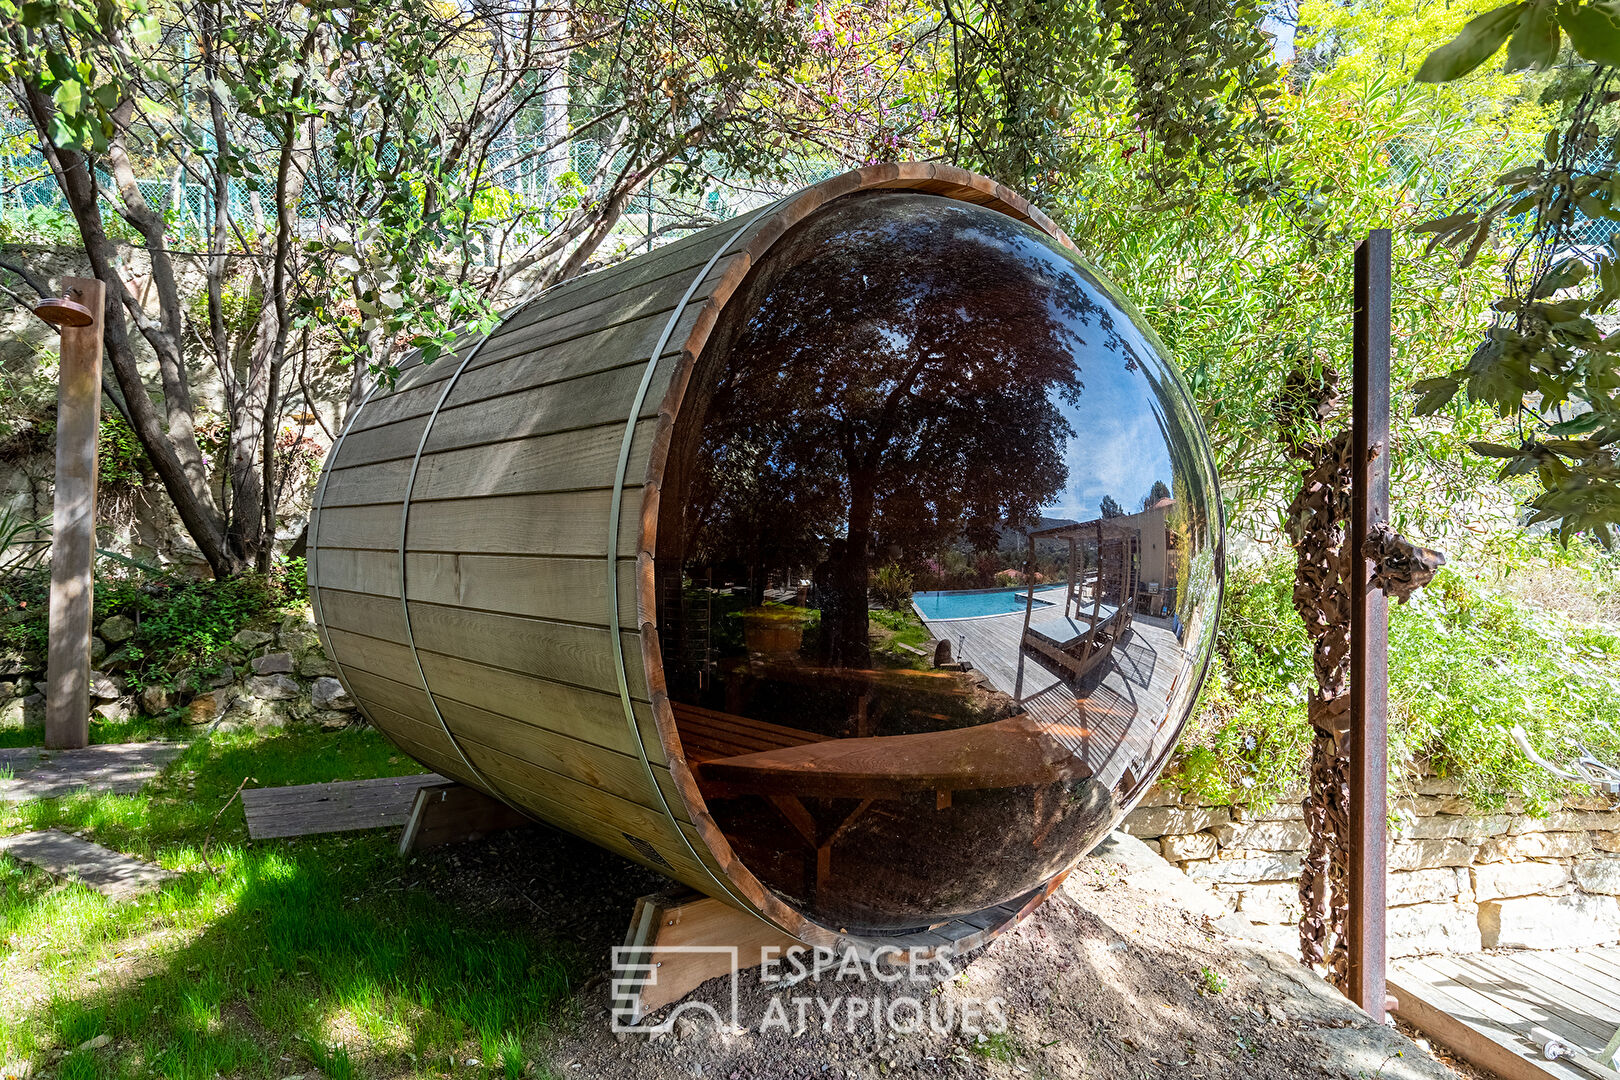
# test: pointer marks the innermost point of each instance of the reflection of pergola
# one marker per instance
(1077, 641)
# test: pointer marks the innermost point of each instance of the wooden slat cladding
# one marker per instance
(567, 461)
(587, 402)
(488, 375)
(569, 523)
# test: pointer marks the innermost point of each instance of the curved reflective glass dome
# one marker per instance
(939, 560)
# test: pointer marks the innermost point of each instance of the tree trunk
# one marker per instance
(75, 177)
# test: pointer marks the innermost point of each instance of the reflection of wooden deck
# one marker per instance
(1485, 1007)
(1119, 727)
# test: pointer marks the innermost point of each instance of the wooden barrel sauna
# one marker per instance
(613, 563)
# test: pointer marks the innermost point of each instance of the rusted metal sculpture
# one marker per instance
(1317, 521)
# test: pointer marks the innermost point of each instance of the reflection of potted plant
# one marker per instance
(774, 629)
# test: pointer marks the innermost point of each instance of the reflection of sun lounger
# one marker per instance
(1016, 752)
(1079, 644)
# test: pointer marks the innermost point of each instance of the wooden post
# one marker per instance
(1369, 626)
(73, 528)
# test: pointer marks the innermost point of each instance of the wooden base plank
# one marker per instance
(455, 814)
(343, 806)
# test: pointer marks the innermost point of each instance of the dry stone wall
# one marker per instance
(272, 675)
(1459, 879)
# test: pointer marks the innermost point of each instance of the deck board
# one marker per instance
(342, 806)
(1502, 996)
(1123, 719)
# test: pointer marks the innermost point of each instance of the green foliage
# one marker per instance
(893, 586)
(1545, 359)
(1240, 291)
(181, 622)
(23, 541)
(1468, 660)
(120, 459)
(1211, 982)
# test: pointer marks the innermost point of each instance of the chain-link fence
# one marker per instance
(528, 191)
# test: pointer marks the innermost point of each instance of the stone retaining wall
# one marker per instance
(1459, 880)
(270, 676)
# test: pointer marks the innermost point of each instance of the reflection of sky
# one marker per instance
(1119, 447)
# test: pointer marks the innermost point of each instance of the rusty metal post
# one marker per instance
(1369, 626)
(73, 528)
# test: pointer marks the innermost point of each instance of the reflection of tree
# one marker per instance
(1110, 507)
(1159, 490)
(901, 384)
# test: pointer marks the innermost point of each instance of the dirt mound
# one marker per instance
(1127, 972)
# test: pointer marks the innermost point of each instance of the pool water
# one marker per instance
(971, 604)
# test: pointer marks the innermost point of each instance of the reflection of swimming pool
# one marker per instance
(971, 604)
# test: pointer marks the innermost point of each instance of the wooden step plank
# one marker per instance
(1511, 979)
(111, 873)
(1594, 992)
(1476, 1040)
(110, 768)
(1515, 1013)
(341, 806)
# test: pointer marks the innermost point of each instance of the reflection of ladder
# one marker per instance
(687, 637)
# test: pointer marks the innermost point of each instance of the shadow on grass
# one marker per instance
(270, 959)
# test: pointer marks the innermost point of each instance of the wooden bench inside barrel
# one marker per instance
(1016, 752)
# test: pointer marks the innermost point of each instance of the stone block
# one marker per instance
(1426, 886)
(1158, 796)
(1438, 785)
(121, 709)
(23, 712)
(1599, 875)
(1271, 868)
(1550, 922)
(1191, 846)
(1273, 904)
(1569, 821)
(314, 665)
(1539, 845)
(1606, 841)
(156, 699)
(277, 663)
(1286, 808)
(1596, 801)
(252, 639)
(1417, 929)
(98, 651)
(116, 629)
(273, 688)
(1155, 821)
(1286, 835)
(1428, 854)
(105, 687)
(1496, 881)
(1453, 826)
(329, 694)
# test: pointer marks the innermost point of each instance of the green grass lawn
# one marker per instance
(267, 959)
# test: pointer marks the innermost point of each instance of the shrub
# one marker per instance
(893, 587)
(1467, 662)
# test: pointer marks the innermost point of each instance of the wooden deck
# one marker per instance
(1120, 727)
(1488, 1007)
